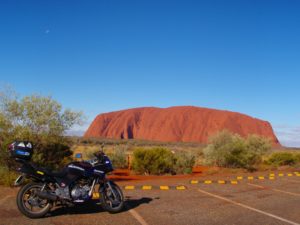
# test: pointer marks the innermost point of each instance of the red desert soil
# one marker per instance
(176, 124)
(126, 175)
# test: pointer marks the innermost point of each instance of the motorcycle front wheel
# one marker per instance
(30, 204)
(112, 199)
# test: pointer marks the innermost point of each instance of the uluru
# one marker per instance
(176, 124)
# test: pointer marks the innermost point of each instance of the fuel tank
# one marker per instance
(80, 168)
(74, 171)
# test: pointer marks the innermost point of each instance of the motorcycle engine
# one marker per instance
(80, 192)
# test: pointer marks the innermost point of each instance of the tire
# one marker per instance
(107, 198)
(21, 203)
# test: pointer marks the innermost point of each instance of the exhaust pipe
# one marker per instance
(46, 195)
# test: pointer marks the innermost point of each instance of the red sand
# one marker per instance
(176, 124)
(125, 175)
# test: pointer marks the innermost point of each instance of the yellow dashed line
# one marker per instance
(164, 187)
(271, 178)
(194, 181)
(129, 187)
(272, 174)
(298, 174)
(180, 187)
(221, 182)
(147, 187)
(281, 174)
(239, 178)
(250, 178)
(261, 177)
(207, 182)
(290, 174)
(233, 182)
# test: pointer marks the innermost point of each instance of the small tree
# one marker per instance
(40, 120)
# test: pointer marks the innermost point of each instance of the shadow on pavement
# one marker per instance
(95, 207)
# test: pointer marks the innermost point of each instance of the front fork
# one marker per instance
(92, 193)
(109, 187)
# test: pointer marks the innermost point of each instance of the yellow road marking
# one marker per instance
(239, 178)
(164, 187)
(250, 178)
(194, 181)
(221, 181)
(271, 178)
(129, 187)
(248, 207)
(290, 174)
(180, 187)
(274, 189)
(146, 187)
(281, 174)
(233, 182)
(261, 178)
(207, 182)
(272, 174)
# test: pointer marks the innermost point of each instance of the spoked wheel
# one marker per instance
(30, 204)
(112, 199)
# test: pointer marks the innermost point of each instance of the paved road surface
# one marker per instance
(248, 202)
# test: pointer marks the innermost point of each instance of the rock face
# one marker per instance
(176, 124)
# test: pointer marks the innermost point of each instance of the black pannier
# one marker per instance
(21, 150)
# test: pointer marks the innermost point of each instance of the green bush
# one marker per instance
(40, 120)
(119, 157)
(283, 159)
(184, 162)
(226, 149)
(153, 161)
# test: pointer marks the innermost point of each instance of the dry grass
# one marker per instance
(88, 146)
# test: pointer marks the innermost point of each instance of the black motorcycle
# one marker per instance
(75, 183)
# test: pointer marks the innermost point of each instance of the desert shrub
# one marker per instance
(184, 162)
(230, 150)
(119, 157)
(283, 159)
(153, 161)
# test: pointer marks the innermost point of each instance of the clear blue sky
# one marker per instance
(99, 56)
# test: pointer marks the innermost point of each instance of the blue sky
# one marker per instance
(99, 56)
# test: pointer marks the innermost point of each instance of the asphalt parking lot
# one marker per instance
(245, 201)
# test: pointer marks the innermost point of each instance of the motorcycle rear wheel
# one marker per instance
(30, 204)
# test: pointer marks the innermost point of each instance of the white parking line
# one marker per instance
(248, 207)
(138, 217)
(274, 189)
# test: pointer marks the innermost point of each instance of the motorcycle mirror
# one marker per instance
(78, 156)
(102, 147)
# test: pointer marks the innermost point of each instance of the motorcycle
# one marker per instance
(74, 184)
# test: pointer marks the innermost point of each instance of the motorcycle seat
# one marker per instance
(59, 174)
